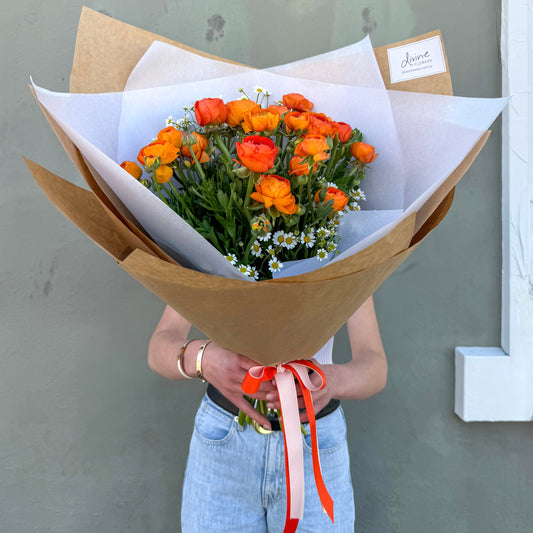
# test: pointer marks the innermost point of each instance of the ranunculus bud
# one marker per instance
(210, 111)
(340, 200)
(363, 152)
(132, 168)
(297, 102)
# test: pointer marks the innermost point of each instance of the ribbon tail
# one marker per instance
(325, 498)
(294, 467)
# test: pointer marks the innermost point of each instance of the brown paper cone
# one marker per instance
(269, 321)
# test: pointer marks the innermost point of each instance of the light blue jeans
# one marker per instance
(235, 477)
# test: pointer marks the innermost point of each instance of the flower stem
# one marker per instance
(226, 156)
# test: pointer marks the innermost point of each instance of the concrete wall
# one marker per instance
(91, 440)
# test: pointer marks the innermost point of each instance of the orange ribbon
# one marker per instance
(283, 375)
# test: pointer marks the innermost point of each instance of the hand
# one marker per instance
(226, 370)
(320, 397)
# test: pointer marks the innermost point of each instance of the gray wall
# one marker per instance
(91, 440)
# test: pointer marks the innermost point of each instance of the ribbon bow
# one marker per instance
(283, 376)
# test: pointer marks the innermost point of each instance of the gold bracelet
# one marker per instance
(178, 360)
(199, 360)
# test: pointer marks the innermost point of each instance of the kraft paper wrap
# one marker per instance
(269, 321)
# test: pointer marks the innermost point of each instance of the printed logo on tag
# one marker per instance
(416, 60)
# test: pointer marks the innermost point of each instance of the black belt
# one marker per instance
(216, 396)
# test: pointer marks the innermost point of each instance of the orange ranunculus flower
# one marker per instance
(315, 145)
(210, 111)
(257, 153)
(340, 200)
(343, 131)
(260, 120)
(277, 108)
(198, 148)
(294, 121)
(298, 168)
(297, 102)
(236, 109)
(171, 135)
(163, 149)
(320, 124)
(132, 168)
(163, 174)
(273, 190)
(363, 152)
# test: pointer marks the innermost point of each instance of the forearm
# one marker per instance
(359, 378)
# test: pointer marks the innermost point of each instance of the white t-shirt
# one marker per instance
(324, 356)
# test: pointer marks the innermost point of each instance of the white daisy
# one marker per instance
(354, 207)
(322, 233)
(279, 238)
(258, 89)
(271, 251)
(359, 195)
(256, 249)
(244, 269)
(332, 246)
(308, 238)
(231, 258)
(253, 273)
(290, 241)
(321, 254)
(169, 120)
(274, 265)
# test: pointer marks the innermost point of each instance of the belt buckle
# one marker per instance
(260, 429)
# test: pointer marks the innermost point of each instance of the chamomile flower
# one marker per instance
(332, 246)
(169, 120)
(279, 238)
(308, 238)
(321, 254)
(271, 251)
(290, 241)
(253, 273)
(275, 265)
(244, 269)
(354, 206)
(322, 233)
(231, 258)
(359, 195)
(256, 248)
(259, 90)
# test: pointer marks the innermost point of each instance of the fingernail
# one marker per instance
(270, 396)
(270, 405)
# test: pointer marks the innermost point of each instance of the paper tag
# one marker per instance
(416, 60)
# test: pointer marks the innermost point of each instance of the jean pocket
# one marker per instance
(331, 432)
(213, 425)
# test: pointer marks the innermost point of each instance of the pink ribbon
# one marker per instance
(284, 375)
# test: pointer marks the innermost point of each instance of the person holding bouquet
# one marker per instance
(235, 479)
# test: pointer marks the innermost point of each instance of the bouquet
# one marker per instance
(306, 170)
(427, 142)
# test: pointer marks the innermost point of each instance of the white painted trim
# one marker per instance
(496, 384)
